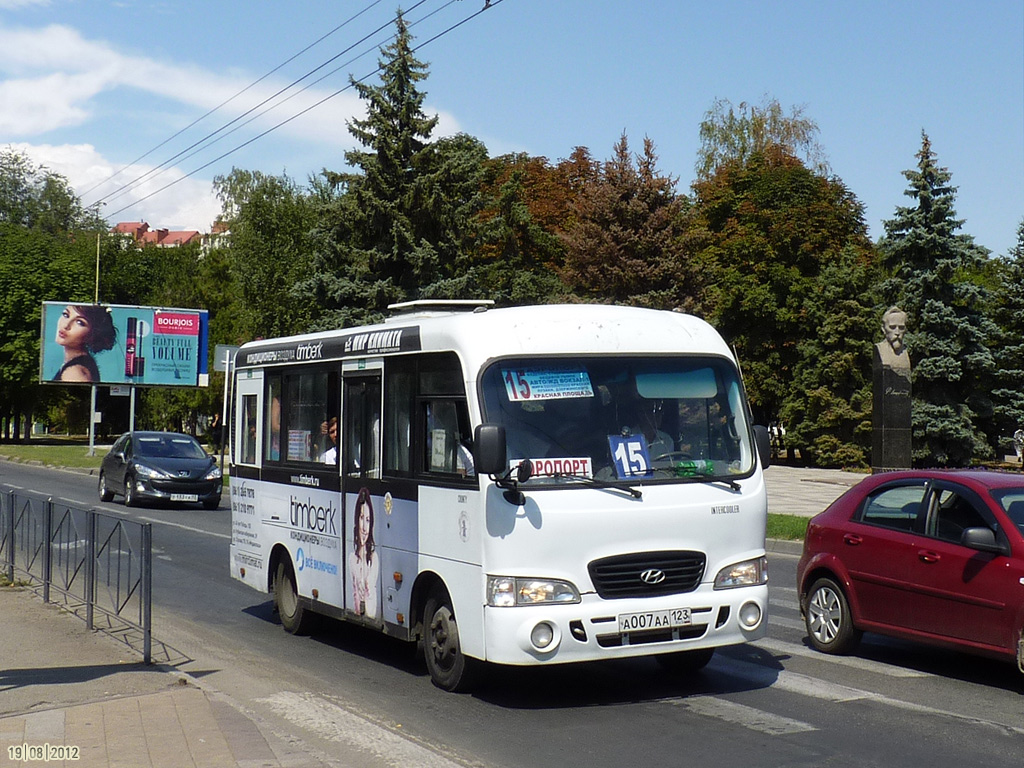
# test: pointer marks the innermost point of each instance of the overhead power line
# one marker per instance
(227, 101)
(487, 6)
(208, 140)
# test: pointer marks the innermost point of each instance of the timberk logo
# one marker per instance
(306, 514)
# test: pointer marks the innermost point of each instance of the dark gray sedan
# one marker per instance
(160, 466)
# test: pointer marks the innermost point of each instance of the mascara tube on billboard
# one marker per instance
(130, 346)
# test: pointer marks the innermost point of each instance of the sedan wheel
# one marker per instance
(829, 624)
(105, 493)
(129, 491)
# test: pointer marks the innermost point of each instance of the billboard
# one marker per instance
(117, 344)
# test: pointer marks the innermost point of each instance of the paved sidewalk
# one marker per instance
(806, 492)
(64, 686)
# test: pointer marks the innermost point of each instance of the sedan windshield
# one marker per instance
(624, 418)
(169, 447)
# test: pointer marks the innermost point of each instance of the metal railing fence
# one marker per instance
(97, 564)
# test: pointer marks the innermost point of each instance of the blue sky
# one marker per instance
(87, 86)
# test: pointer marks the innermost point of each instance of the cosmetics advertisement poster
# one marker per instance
(118, 344)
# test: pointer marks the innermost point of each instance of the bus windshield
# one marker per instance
(670, 419)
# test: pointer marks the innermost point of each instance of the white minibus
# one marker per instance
(522, 486)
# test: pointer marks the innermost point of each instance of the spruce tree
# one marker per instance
(827, 411)
(622, 245)
(397, 228)
(935, 276)
(1009, 317)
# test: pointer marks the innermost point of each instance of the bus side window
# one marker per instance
(249, 429)
(398, 394)
(272, 424)
(361, 441)
(447, 447)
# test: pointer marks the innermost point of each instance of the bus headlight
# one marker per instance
(507, 591)
(749, 573)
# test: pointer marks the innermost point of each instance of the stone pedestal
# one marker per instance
(890, 419)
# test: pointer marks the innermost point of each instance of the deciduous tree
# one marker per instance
(769, 238)
(730, 133)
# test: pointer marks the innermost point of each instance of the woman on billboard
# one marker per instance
(83, 330)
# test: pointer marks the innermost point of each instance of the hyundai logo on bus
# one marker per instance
(652, 576)
(314, 518)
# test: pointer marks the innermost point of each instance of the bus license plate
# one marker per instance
(637, 622)
(184, 497)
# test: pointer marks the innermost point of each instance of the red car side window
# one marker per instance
(897, 507)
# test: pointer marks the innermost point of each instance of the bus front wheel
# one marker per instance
(449, 669)
(294, 618)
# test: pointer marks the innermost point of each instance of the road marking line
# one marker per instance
(184, 527)
(817, 688)
(782, 621)
(748, 717)
(792, 605)
(866, 665)
(329, 721)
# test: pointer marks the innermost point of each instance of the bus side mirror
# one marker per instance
(764, 445)
(489, 449)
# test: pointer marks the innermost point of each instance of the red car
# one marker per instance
(935, 556)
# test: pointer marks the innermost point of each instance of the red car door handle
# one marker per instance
(928, 555)
(852, 539)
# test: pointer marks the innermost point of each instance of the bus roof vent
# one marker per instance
(432, 306)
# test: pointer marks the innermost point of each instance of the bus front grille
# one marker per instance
(647, 574)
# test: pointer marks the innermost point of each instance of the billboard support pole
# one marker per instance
(92, 400)
(225, 410)
(92, 422)
(131, 409)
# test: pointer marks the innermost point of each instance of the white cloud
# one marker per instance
(188, 204)
(52, 77)
(53, 73)
(13, 5)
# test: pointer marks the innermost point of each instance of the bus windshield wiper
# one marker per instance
(636, 493)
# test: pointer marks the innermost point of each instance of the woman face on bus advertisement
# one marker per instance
(363, 534)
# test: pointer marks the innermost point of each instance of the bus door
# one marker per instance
(362, 517)
(246, 434)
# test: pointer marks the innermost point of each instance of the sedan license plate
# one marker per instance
(638, 622)
(184, 497)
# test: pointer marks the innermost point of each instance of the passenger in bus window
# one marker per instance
(464, 463)
(274, 435)
(330, 428)
(365, 566)
(646, 420)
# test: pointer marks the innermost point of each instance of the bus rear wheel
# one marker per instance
(449, 669)
(294, 617)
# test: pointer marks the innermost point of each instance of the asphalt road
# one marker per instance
(358, 699)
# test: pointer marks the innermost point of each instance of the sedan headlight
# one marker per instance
(749, 573)
(507, 591)
(213, 474)
(152, 472)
